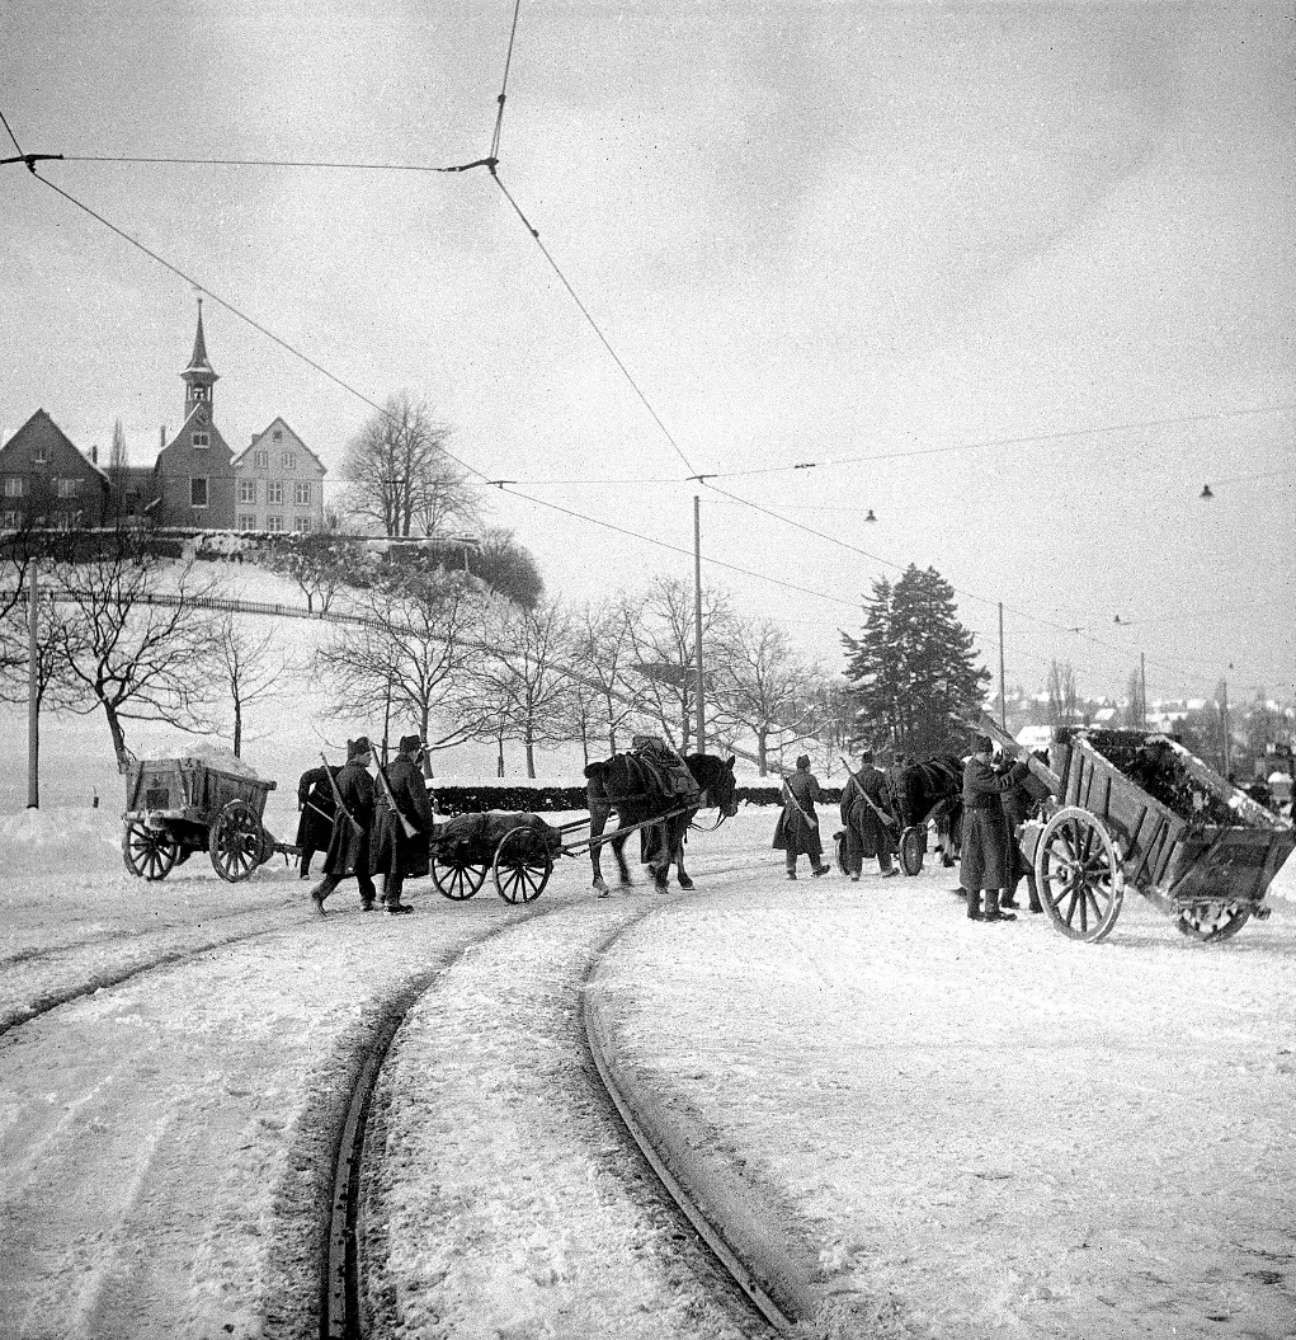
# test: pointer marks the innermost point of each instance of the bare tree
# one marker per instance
(661, 628)
(760, 688)
(321, 563)
(400, 477)
(1063, 700)
(604, 656)
(243, 663)
(526, 676)
(410, 656)
(137, 632)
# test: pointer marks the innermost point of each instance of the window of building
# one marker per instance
(301, 495)
(39, 455)
(302, 524)
(200, 393)
(198, 493)
(247, 521)
(274, 492)
(67, 488)
(278, 434)
(274, 523)
(247, 491)
(14, 486)
(9, 520)
(261, 459)
(201, 440)
(288, 460)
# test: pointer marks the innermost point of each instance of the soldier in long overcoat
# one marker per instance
(1018, 806)
(315, 801)
(797, 831)
(397, 852)
(867, 834)
(348, 849)
(987, 858)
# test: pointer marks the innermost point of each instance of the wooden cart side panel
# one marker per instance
(1237, 863)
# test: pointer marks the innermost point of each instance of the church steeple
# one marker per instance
(198, 377)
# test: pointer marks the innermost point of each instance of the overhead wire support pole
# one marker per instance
(697, 621)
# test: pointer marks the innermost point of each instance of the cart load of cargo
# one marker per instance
(177, 806)
(1135, 808)
(516, 850)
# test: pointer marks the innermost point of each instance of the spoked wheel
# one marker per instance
(235, 841)
(1079, 875)
(913, 847)
(1212, 919)
(457, 880)
(148, 852)
(521, 867)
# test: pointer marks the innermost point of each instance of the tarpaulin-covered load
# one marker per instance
(473, 838)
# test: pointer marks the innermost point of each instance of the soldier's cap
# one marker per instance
(982, 744)
(358, 747)
(411, 744)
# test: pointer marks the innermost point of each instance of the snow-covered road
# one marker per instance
(961, 1129)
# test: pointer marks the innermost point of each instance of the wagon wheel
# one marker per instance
(148, 852)
(458, 880)
(1079, 875)
(913, 846)
(1213, 919)
(235, 840)
(521, 867)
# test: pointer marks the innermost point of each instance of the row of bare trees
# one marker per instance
(467, 665)
(130, 633)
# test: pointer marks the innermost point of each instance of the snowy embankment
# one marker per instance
(966, 1129)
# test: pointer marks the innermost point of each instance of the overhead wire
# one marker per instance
(176, 160)
(491, 162)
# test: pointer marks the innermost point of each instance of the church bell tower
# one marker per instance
(198, 377)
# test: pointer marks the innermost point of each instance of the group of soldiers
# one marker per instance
(995, 805)
(366, 824)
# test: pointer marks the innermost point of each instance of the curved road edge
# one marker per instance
(728, 1212)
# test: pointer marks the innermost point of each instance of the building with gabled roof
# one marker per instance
(279, 483)
(46, 481)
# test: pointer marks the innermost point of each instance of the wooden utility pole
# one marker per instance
(1003, 694)
(1224, 725)
(1143, 686)
(697, 620)
(33, 694)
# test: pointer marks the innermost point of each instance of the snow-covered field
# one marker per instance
(962, 1129)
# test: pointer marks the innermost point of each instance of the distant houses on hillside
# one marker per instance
(276, 483)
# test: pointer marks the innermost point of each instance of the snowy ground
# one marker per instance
(964, 1130)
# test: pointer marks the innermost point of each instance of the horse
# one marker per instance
(932, 792)
(625, 784)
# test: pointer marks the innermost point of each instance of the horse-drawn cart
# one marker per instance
(1136, 808)
(516, 850)
(177, 806)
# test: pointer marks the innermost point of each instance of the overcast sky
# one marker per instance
(1017, 277)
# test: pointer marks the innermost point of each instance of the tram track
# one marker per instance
(357, 1273)
(180, 945)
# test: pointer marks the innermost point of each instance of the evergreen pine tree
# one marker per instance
(912, 669)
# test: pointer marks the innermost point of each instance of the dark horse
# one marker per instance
(623, 784)
(932, 792)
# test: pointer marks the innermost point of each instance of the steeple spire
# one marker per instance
(198, 377)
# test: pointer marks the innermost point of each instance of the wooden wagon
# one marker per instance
(516, 850)
(1195, 846)
(177, 806)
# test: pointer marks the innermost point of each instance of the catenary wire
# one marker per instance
(503, 93)
(594, 520)
(9, 132)
(273, 163)
(585, 312)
